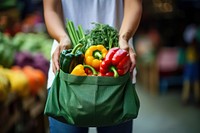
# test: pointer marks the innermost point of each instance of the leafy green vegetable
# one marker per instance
(104, 34)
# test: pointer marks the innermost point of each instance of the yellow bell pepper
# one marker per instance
(79, 70)
(94, 55)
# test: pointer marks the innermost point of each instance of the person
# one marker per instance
(191, 74)
(191, 66)
(124, 15)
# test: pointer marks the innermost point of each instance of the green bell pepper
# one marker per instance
(69, 58)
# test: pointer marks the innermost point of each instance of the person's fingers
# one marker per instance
(54, 68)
(55, 59)
(132, 66)
(133, 59)
(124, 45)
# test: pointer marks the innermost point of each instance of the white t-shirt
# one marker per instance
(84, 12)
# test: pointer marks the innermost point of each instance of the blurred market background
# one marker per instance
(167, 43)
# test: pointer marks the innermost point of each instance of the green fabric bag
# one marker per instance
(92, 101)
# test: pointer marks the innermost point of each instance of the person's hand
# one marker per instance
(124, 45)
(64, 43)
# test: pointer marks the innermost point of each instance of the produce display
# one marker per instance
(24, 64)
(18, 81)
(33, 43)
(21, 81)
(38, 61)
(100, 50)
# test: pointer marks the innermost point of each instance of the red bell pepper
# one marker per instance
(116, 63)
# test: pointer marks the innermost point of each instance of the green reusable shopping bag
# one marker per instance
(92, 101)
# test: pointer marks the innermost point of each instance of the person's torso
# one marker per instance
(84, 12)
(191, 54)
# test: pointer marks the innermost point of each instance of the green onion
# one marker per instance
(70, 35)
(75, 35)
(81, 32)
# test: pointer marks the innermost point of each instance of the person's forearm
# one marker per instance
(54, 19)
(131, 20)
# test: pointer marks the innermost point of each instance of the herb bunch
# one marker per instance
(104, 34)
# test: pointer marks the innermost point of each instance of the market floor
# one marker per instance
(165, 114)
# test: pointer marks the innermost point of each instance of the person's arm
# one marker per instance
(130, 23)
(56, 28)
(54, 19)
